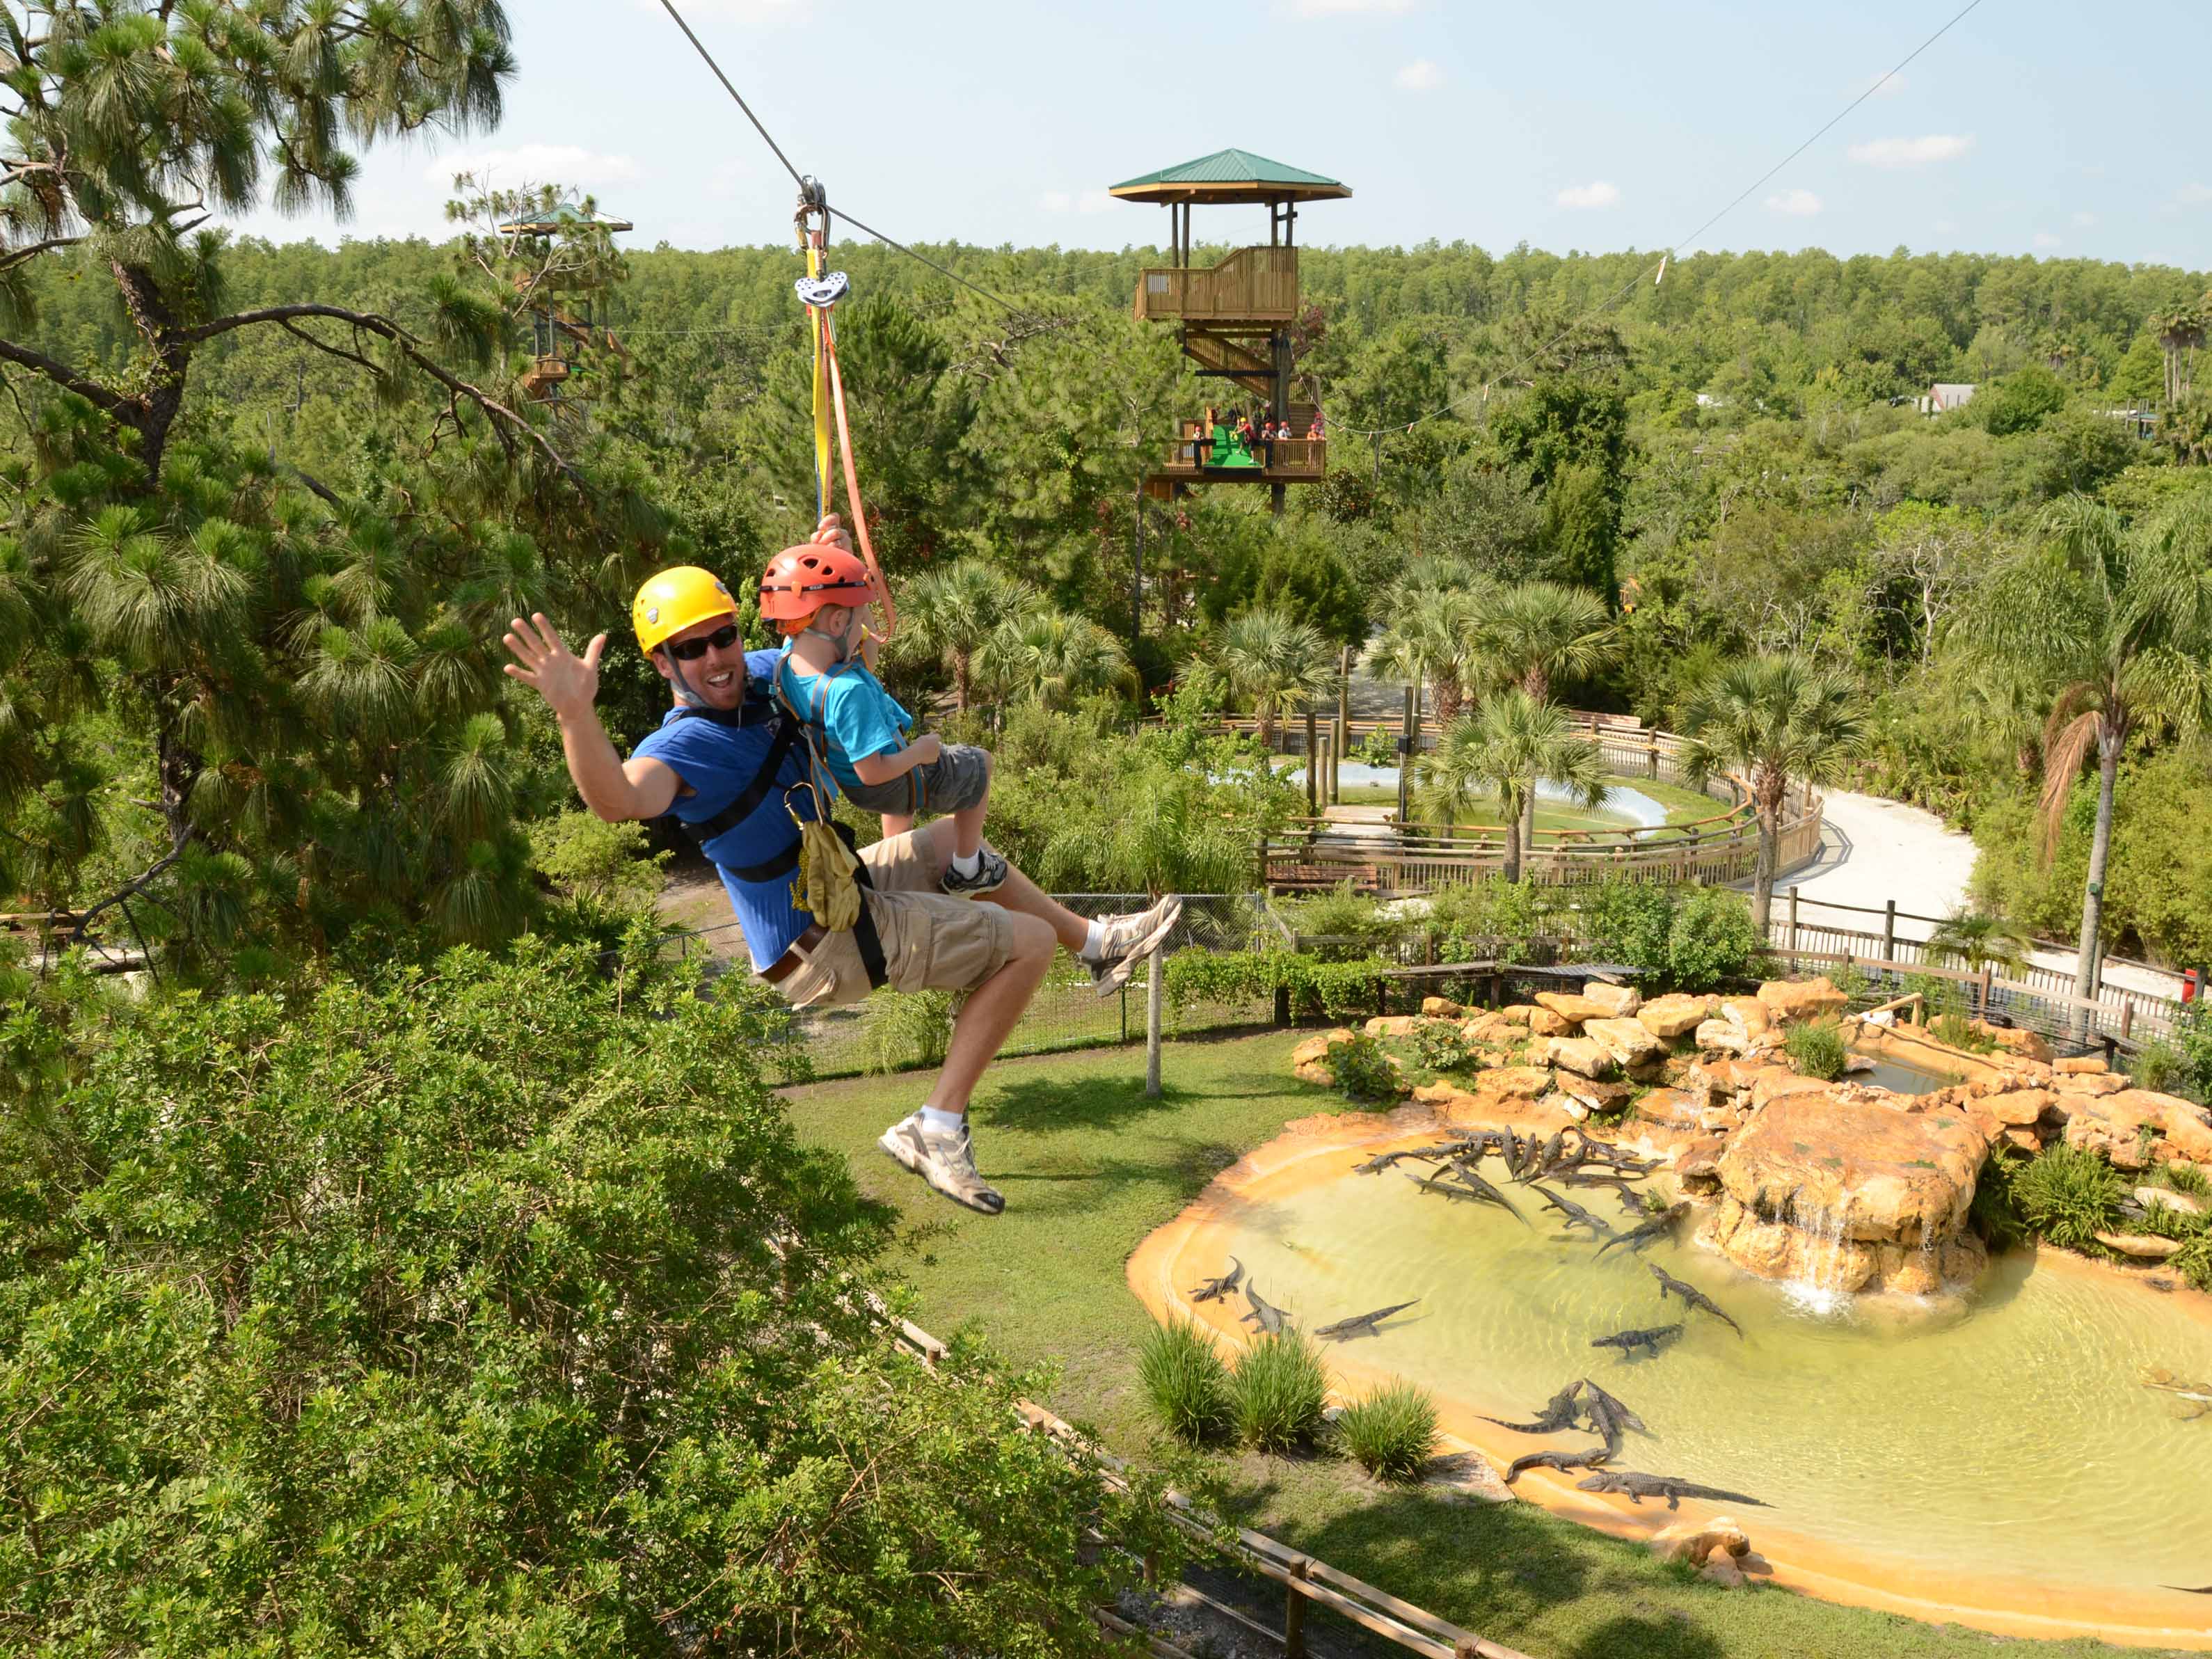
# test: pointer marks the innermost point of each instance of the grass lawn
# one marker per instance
(1088, 1166)
(1683, 806)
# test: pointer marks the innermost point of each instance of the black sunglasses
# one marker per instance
(691, 650)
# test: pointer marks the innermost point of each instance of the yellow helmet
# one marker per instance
(675, 599)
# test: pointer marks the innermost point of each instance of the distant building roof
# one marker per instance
(1950, 394)
(1230, 175)
(564, 216)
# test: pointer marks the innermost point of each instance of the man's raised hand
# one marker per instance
(567, 682)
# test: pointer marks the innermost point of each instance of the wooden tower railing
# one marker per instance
(1254, 284)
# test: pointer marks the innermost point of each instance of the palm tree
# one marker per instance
(949, 615)
(1773, 720)
(2181, 331)
(1533, 633)
(1050, 656)
(1431, 633)
(1509, 744)
(1979, 939)
(1276, 665)
(2115, 619)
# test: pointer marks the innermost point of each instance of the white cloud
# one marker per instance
(2194, 195)
(1912, 152)
(1056, 201)
(1420, 76)
(535, 164)
(1799, 203)
(1875, 85)
(1352, 8)
(2085, 220)
(2043, 239)
(1596, 194)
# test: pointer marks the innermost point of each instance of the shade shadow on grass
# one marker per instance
(1038, 1104)
(1631, 1638)
(1181, 1171)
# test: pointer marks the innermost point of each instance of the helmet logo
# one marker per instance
(654, 615)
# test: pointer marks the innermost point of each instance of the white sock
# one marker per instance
(967, 864)
(1094, 941)
(940, 1122)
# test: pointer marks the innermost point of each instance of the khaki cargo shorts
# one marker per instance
(931, 939)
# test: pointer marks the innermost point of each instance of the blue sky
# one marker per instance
(2034, 126)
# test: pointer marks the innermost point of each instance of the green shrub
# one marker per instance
(1955, 1030)
(1630, 922)
(1443, 1045)
(589, 858)
(2186, 1178)
(2068, 1194)
(2160, 1067)
(1816, 1047)
(2193, 1261)
(1186, 1384)
(1995, 1213)
(1940, 999)
(1363, 1070)
(1279, 1390)
(902, 1030)
(1345, 916)
(1712, 939)
(1340, 990)
(1392, 1433)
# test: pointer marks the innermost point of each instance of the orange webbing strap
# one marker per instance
(819, 322)
(853, 481)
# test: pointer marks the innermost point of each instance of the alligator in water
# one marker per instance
(1561, 1461)
(1630, 1342)
(1637, 1487)
(1470, 1175)
(1362, 1324)
(1539, 1161)
(1382, 1161)
(1641, 1203)
(1473, 1191)
(1560, 1412)
(1691, 1295)
(1576, 1215)
(1658, 1227)
(2196, 1398)
(1629, 1195)
(1212, 1290)
(1272, 1319)
(1609, 1419)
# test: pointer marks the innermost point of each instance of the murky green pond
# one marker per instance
(2007, 1433)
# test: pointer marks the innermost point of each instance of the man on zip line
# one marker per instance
(722, 761)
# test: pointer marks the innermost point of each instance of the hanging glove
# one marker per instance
(825, 886)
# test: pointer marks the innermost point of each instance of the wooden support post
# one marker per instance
(1651, 758)
(2127, 1018)
(1405, 758)
(1343, 711)
(1155, 1002)
(1263, 864)
(1328, 767)
(1889, 930)
(1313, 765)
(1793, 922)
(1294, 1612)
(1989, 972)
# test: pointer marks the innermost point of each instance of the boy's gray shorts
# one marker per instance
(959, 778)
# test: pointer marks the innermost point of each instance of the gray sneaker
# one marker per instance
(1127, 940)
(990, 875)
(945, 1161)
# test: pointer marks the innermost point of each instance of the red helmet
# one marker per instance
(799, 580)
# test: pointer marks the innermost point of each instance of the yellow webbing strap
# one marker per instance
(818, 320)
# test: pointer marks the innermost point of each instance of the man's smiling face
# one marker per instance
(716, 680)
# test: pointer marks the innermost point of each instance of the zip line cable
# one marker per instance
(1690, 240)
(807, 189)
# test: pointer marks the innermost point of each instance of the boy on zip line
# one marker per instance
(722, 761)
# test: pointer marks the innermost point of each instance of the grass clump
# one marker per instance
(2185, 1178)
(906, 1030)
(1187, 1383)
(1816, 1049)
(1996, 1211)
(1363, 1070)
(1279, 1390)
(1392, 1433)
(2068, 1195)
(1957, 1031)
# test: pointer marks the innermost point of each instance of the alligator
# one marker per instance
(1657, 1227)
(1212, 1290)
(1640, 1203)
(2190, 1590)
(1470, 1175)
(1362, 1324)
(1560, 1412)
(1271, 1318)
(1691, 1295)
(1576, 1215)
(1620, 1184)
(1540, 1159)
(1382, 1161)
(1629, 1341)
(1609, 1418)
(1560, 1461)
(1637, 1487)
(1477, 1191)
(2196, 1398)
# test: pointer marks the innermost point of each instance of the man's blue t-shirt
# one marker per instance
(718, 761)
(859, 717)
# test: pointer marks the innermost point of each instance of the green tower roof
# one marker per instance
(1230, 175)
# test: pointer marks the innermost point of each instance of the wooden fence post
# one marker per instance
(1313, 766)
(1294, 1613)
(1263, 864)
(1154, 1001)
(2127, 1018)
(1343, 714)
(1793, 923)
(1889, 930)
(1405, 759)
(1989, 971)
(1651, 758)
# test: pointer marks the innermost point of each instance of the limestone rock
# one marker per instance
(1514, 1082)
(1748, 1014)
(1441, 1008)
(1447, 1098)
(1619, 1002)
(1851, 1193)
(2081, 1065)
(1794, 999)
(2018, 1109)
(1674, 1108)
(1310, 1060)
(1697, 1164)
(1699, 1541)
(1515, 1013)
(1543, 1022)
(2020, 1140)
(1392, 1025)
(1558, 1101)
(1596, 1094)
(1724, 1037)
(1721, 1569)
(2087, 1084)
(1583, 1055)
(1626, 1040)
(1570, 1008)
(2142, 1246)
(1669, 1017)
(2128, 1125)
(2187, 1203)
(1494, 1031)
(1773, 1082)
(2016, 1040)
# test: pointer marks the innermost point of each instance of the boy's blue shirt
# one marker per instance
(858, 716)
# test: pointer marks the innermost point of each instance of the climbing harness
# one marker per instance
(819, 292)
